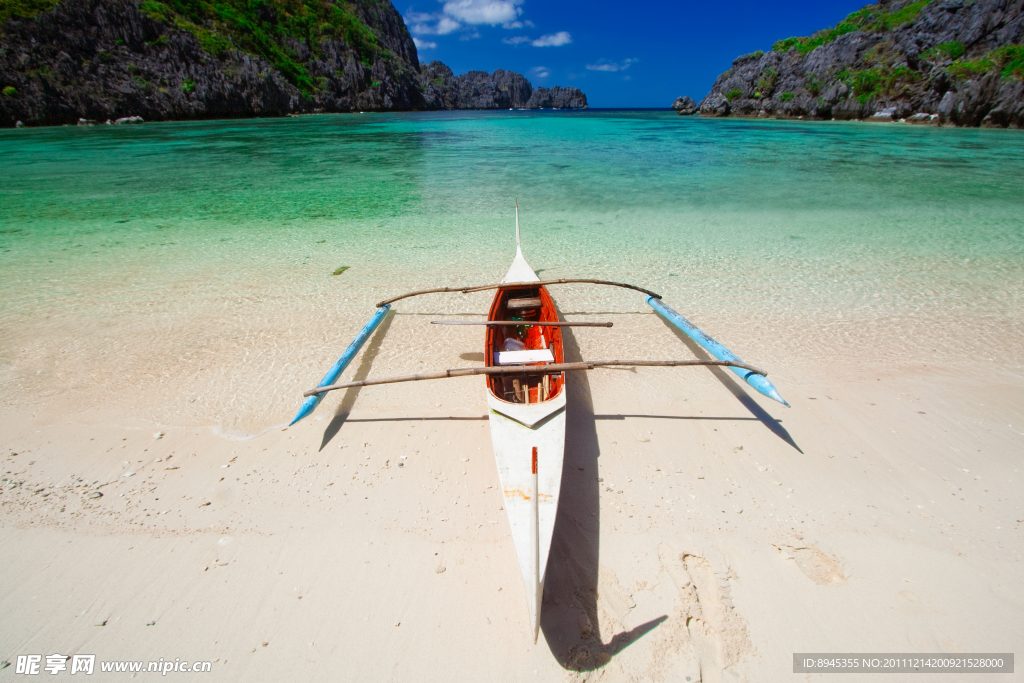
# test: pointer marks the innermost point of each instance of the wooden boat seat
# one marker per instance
(520, 304)
(522, 357)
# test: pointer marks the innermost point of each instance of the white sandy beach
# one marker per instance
(705, 533)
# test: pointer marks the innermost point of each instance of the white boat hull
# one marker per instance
(516, 429)
(529, 445)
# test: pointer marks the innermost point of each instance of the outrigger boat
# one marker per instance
(526, 395)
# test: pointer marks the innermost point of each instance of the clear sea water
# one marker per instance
(193, 260)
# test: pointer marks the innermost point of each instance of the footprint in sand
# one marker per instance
(709, 649)
(717, 632)
(706, 630)
(818, 566)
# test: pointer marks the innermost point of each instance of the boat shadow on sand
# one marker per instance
(569, 617)
(361, 373)
(729, 382)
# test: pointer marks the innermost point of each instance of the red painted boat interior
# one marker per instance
(534, 335)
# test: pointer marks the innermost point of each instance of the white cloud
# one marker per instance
(464, 15)
(421, 24)
(423, 44)
(553, 40)
(605, 65)
(483, 11)
(446, 25)
(539, 72)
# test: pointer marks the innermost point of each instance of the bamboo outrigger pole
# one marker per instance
(517, 323)
(513, 285)
(532, 370)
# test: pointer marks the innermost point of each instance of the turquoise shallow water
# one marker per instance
(801, 239)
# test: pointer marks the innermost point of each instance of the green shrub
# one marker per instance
(953, 49)
(866, 83)
(871, 19)
(1008, 59)
(266, 27)
(24, 8)
(10, 91)
(212, 43)
(1011, 59)
(869, 83)
(188, 85)
(733, 94)
(375, 84)
(766, 83)
(787, 97)
(157, 11)
(812, 84)
(965, 71)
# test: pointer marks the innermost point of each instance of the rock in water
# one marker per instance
(883, 115)
(715, 104)
(685, 106)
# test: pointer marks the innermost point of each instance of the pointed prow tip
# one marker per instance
(517, 223)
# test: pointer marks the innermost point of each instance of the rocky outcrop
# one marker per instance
(109, 59)
(959, 62)
(499, 90)
(715, 105)
(557, 98)
(685, 106)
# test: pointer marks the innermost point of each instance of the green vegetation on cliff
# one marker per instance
(871, 19)
(23, 8)
(868, 84)
(1008, 59)
(268, 28)
(271, 29)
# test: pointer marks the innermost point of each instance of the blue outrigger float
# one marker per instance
(526, 395)
(756, 378)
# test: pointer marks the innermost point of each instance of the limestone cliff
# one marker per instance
(956, 62)
(499, 90)
(65, 60)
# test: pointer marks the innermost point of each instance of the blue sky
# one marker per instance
(642, 55)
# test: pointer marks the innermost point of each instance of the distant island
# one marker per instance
(62, 61)
(939, 62)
